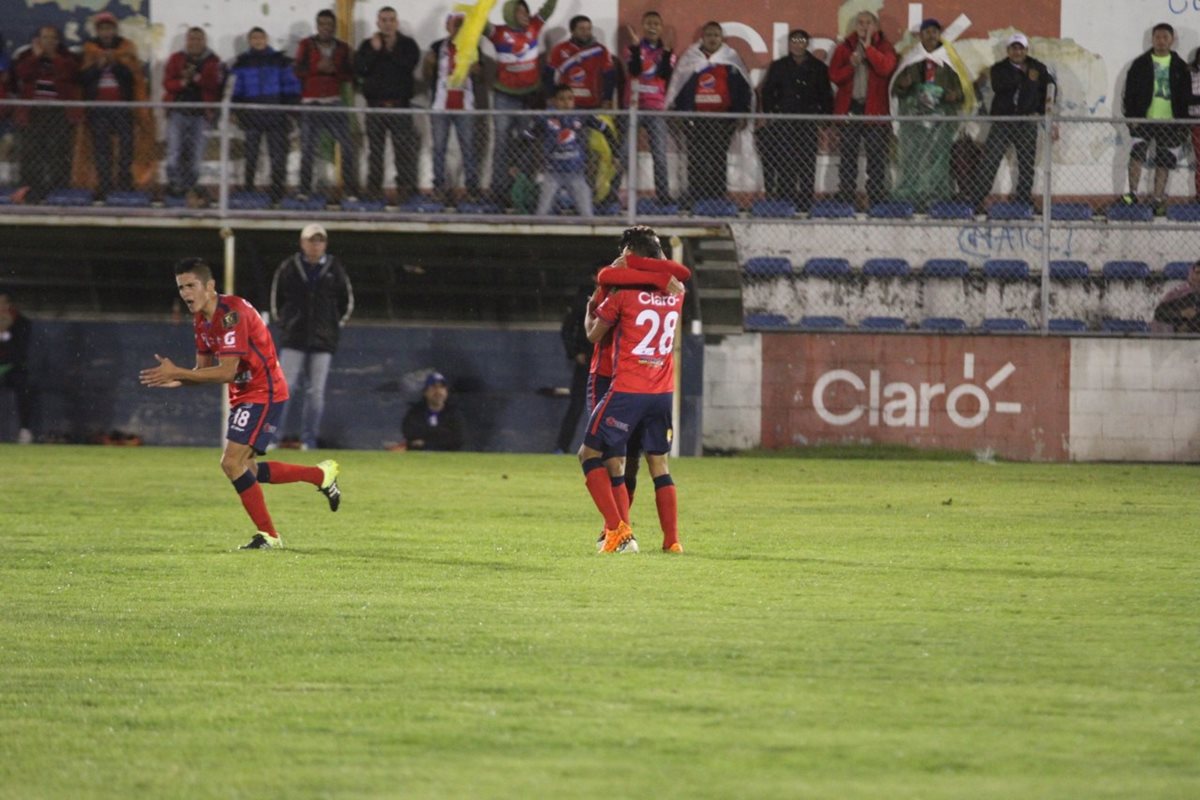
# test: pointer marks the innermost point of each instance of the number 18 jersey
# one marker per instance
(644, 323)
(236, 329)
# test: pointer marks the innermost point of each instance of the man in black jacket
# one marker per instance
(433, 423)
(579, 351)
(798, 83)
(1158, 87)
(14, 362)
(1020, 88)
(311, 299)
(385, 64)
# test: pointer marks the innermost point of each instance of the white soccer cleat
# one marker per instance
(329, 486)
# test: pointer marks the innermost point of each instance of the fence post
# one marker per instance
(225, 125)
(631, 147)
(1047, 203)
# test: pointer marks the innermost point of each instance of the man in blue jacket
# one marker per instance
(264, 77)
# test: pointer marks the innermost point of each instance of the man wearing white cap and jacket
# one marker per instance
(311, 299)
(1020, 88)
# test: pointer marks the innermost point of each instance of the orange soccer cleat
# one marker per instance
(613, 539)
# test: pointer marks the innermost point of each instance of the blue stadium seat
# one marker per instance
(6, 195)
(1126, 270)
(610, 209)
(950, 209)
(363, 205)
(1177, 270)
(174, 201)
(249, 201)
(1066, 325)
(1119, 212)
(827, 268)
(767, 267)
(1006, 269)
(650, 207)
(1125, 325)
(883, 324)
(763, 321)
(1005, 211)
(1186, 212)
(772, 208)
(127, 199)
(822, 322)
(420, 204)
(831, 209)
(886, 268)
(314, 203)
(69, 197)
(1071, 212)
(715, 207)
(945, 268)
(944, 324)
(1069, 270)
(1004, 325)
(479, 208)
(892, 209)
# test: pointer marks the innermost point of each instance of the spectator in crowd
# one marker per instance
(15, 329)
(49, 72)
(323, 65)
(798, 83)
(861, 67)
(1194, 113)
(927, 84)
(112, 73)
(385, 63)
(564, 157)
(650, 63)
(192, 75)
(579, 353)
(1179, 309)
(433, 422)
(438, 67)
(6, 79)
(311, 300)
(711, 80)
(517, 82)
(1157, 87)
(264, 76)
(585, 65)
(1021, 87)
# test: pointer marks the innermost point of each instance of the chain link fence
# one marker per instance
(1067, 224)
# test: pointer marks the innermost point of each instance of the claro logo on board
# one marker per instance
(905, 405)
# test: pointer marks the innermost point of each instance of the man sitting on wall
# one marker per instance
(1179, 310)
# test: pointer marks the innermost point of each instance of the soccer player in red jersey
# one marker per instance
(233, 346)
(644, 321)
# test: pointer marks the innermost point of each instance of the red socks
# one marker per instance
(621, 497)
(668, 511)
(601, 490)
(251, 495)
(279, 472)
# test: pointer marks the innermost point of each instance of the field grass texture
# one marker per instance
(835, 628)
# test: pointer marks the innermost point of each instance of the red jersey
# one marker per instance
(237, 330)
(712, 89)
(517, 56)
(644, 324)
(602, 353)
(588, 70)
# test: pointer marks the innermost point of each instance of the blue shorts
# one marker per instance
(255, 424)
(621, 415)
(597, 387)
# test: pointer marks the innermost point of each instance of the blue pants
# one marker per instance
(311, 369)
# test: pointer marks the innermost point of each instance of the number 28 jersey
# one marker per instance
(644, 323)
(236, 329)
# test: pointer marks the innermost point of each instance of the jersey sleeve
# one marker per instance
(610, 309)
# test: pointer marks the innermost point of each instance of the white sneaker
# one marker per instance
(629, 546)
(25, 436)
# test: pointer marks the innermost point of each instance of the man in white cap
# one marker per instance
(311, 299)
(1020, 88)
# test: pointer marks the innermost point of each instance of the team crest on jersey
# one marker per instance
(708, 81)
(229, 320)
(577, 76)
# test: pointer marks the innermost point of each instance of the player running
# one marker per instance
(644, 321)
(233, 346)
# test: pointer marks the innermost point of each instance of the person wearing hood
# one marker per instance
(264, 76)
(112, 74)
(192, 75)
(712, 81)
(518, 80)
(927, 84)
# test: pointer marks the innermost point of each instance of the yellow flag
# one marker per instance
(466, 41)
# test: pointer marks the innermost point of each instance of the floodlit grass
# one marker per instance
(841, 629)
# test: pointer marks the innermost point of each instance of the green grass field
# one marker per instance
(836, 628)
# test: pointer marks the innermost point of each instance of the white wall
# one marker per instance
(733, 393)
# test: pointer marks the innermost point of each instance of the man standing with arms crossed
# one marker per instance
(645, 321)
(233, 346)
